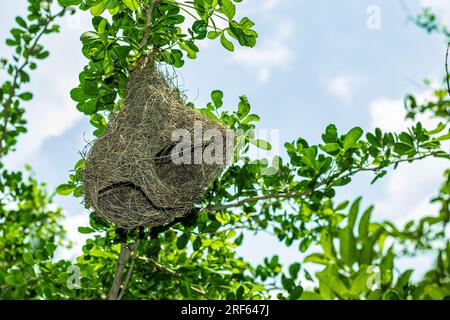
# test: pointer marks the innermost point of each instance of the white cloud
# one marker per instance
(270, 4)
(389, 114)
(49, 115)
(407, 190)
(343, 85)
(270, 53)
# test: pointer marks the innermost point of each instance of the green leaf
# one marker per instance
(441, 127)
(373, 140)
(359, 284)
(27, 96)
(21, 22)
(108, 65)
(403, 279)
(28, 258)
(347, 246)
(103, 254)
(333, 282)
(212, 35)
(391, 295)
(227, 44)
(217, 98)
(353, 213)
(251, 118)
(294, 270)
(243, 107)
(363, 229)
(331, 148)
(317, 258)
(89, 107)
(99, 8)
(326, 241)
(132, 4)
(77, 94)
(386, 268)
(309, 157)
(262, 144)
(403, 148)
(65, 189)
(228, 8)
(296, 293)
(352, 137)
(67, 3)
(182, 241)
(89, 36)
(86, 230)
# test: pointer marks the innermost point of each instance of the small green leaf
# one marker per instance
(228, 8)
(28, 258)
(403, 148)
(67, 3)
(27, 96)
(182, 241)
(65, 189)
(262, 144)
(227, 44)
(89, 36)
(296, 293)
(132, 4)
(212, 35)
(85, 230)
(21, 22)
(363, 229)
(331, 148)
(347, 247)
(251, 118)
(352, 137)
(326, 241)
(77, 94)
(99, 8)
(217, 98)
(243, 107)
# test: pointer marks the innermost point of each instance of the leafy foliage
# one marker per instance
(291, 198)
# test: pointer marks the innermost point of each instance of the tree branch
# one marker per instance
(446, 68)
(12, 90)
(117, 282)
(130, 270)
(148, 24)
(293, 195)
(172, 273)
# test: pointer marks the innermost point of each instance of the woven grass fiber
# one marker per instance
(130, 178)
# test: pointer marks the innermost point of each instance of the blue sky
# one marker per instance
(316, 63)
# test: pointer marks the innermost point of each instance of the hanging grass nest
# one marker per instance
(130, 177)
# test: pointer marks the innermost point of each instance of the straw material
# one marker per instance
(130, 178)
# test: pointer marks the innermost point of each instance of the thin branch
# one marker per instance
(12, 91)
(172, 273)
(130, 270)
(117, 282)
(446, 68)
(293, 195)
(148, 23)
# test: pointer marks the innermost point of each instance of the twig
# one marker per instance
(172, 273)
(11, 92)
(148, 23)
(446, 69)
(130, 271)
(293, 195)
(117, 282)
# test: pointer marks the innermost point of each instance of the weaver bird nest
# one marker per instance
(135, 173)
